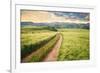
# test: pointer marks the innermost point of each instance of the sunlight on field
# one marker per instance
(75, 44)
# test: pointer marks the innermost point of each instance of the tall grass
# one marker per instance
(37, 42)
(75, 45)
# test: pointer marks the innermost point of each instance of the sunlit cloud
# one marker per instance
(49, 17)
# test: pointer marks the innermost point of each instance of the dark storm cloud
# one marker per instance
(73, 15)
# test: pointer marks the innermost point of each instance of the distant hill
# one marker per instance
(57, 25)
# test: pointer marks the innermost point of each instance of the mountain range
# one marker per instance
(57, 25)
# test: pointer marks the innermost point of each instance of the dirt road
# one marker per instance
(52, 56)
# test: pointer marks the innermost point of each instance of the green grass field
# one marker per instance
(75, 45)
(36, 41)
(40, 40)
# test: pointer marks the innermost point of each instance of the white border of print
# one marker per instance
(16, 66)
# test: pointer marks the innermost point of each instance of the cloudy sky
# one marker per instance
(47, 16)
